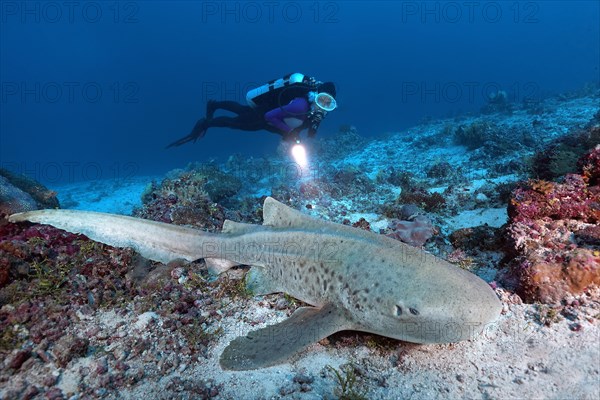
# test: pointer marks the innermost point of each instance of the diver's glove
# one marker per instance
(315, 116)
(293, 135)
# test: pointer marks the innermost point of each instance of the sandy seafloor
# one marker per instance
(515, 358)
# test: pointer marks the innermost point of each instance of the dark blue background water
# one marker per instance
(97, 89)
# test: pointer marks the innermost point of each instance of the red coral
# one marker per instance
(362, 224)
(568, 200)
(553, 234)
(589, 165)
(552, 281)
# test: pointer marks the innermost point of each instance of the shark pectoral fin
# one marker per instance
(260, 283)
(217, 266)
(276, 343)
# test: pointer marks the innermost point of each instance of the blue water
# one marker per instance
(97, 89)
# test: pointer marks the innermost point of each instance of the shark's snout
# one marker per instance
(480, 308)
(467, 306)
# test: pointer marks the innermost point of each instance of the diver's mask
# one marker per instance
(323, 101)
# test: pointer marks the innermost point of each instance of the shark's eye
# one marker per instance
(413, 311)
(398, 311)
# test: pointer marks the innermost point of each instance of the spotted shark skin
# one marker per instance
(352, 279)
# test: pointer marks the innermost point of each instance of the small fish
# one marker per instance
(353, 279)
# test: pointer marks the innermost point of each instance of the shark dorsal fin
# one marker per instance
(279, 215)
(238, 228)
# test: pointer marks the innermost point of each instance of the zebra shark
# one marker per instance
(351, 278)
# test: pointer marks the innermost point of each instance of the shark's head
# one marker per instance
(440, 304)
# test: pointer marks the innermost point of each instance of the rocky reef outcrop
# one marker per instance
(554, 234)
(20, 193)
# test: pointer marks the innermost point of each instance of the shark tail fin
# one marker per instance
(153, 240)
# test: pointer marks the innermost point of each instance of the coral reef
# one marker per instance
(14, 200)
(589, 165)
(414, 232)
(396, 177)
(427, 201)
(498, 102)
(439, 170)
(53, 282)
(349, 180)
(183, 199)
(347, 140)
(572, 199)
(219, 185)
(19, 193)
(336, 183)
(492, 140)
(361, 224)
(483, 238)
(472, 136)
(553, 234)
(561, 156)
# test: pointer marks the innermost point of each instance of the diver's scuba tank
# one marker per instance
(280, 91)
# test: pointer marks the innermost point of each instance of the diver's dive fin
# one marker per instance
(197, 133)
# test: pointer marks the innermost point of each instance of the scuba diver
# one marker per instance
(285, 106)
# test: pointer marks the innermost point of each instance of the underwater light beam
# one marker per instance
(299, 155)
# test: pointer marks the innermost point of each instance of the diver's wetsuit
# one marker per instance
(249, 119)
(297, 109)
